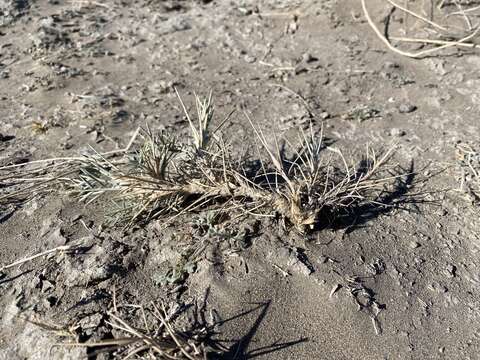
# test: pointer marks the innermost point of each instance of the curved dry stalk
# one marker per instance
(463, 42)
(418, 16)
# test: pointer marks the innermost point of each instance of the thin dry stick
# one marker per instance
(433, 41)
(383, 38)
(88, 2)
(464, 11)
(432, 10)
(42, 161)
(172, 334)
(465, 16)
(114, 300)
(132, 140)
(406, 53)
(78, 158)
(405, 19)
(146, 339)
(441, 4)
(310, 112)
(417, 16)
(113, 342)
(30, 258)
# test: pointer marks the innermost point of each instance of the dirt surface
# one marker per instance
(395, 282)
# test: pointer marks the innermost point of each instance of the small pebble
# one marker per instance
(396, 132)
(308, 58)
(335, 288)
(415, 245)
(245, 11)
(406, 108)
(451, 270)
(390, 65)
(323, 259)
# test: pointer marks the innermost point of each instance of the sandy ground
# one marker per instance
(400, 282)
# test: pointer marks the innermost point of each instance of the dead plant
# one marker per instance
(468, 166)
(165, 176)
(151, 334)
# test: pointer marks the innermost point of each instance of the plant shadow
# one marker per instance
(240, 349)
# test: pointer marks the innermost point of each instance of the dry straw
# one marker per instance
(443, 35)
(152, 336)
(468, 165)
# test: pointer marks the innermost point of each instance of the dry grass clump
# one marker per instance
(166, 176)
(435, 25)
(152, 336)
(468, 162)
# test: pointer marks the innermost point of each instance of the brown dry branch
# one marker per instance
(165, 176)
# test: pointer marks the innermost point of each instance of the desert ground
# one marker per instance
(393, 276)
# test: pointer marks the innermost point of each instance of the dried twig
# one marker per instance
(161, 340)
(30, 258)
(433, 41)
(404, 9)
(63, 160)
(464, 41)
